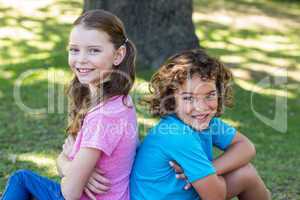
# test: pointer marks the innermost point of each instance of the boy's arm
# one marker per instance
(212, 187)
(239, 153)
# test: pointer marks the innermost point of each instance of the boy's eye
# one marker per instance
(188, 98)
(211, 96)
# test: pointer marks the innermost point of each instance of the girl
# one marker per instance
(102, 117)
(189, 93)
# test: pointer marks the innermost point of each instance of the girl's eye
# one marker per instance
(94, 51)
(188, 98)
(73, 50)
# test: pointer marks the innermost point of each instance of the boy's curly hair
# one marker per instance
(180, 67)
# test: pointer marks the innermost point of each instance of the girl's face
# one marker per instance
(197, 102)
(91, 54)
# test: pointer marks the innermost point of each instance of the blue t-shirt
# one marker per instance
(171, 139)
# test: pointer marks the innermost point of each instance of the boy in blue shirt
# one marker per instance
(189, 92)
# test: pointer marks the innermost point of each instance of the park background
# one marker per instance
(259, 40)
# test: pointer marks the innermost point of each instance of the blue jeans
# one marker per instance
(26, 185)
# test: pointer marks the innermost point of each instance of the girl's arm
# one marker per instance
(62, 161)
(62, 164)
(78, 173)
(240, 152)
(97, 184)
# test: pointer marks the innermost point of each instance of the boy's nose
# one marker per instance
(200, 105)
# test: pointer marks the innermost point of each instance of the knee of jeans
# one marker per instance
(19, 175)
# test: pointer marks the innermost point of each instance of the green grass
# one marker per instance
(254, 38)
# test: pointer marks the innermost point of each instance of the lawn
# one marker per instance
(259, 40)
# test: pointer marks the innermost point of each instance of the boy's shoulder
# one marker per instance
(171, 125)
(171, 129)
(169, 132)
(218, 126)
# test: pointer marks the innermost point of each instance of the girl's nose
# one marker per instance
(82, 57)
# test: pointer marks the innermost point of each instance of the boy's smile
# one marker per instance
(197, 102)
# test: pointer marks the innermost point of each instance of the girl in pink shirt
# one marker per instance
(102, 126)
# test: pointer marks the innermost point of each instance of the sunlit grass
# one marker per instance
(140, 86)
(24, 23)
(233, 123)
(50, 75)
(253, 31)
(264, 89)
(40, 160)
(6, 74)
(238, 20)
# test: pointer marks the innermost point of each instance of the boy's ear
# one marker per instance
(119, 55)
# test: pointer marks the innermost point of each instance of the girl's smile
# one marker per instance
(84, 71)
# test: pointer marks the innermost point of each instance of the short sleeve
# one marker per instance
(188, 152)
(102, 132)
(222, 134)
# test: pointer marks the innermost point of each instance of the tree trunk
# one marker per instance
(159, 28)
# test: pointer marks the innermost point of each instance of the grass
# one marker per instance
(257, 39)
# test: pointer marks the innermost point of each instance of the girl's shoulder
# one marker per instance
(115, 106)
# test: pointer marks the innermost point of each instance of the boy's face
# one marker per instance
(197, 102)
(91, 54)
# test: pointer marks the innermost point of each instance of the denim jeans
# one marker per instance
(26, 185)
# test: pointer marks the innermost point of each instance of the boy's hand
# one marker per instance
(97, 184)
(180, 174)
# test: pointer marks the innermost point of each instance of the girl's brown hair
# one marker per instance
(121, 78)
(180, 67)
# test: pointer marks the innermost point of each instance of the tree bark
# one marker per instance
(159, 28)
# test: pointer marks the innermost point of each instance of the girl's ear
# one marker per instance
(119, 55)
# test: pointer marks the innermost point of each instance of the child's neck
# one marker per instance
(95, 93)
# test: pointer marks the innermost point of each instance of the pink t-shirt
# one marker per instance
(112, 128)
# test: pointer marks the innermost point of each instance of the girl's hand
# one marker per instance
(97, 184)
(180, 174)
(68, 146)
